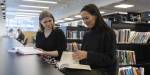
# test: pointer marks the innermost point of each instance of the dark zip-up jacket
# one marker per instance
(101, 49)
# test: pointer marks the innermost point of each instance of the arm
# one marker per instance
(61, 42)
(51, 53)
(37, 40)
(106, 58)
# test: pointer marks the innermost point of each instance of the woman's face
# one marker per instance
(47, 23)
(88, 19)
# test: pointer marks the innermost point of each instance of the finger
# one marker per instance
(74, 56)
(39, 49)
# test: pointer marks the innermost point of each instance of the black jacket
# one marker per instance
(55, 41)
(101, 48)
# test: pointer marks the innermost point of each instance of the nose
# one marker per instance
(47, 23)
(85, 22)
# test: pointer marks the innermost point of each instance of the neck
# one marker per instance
(47, 30)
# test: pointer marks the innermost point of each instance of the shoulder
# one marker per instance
(110, 34)
(86, 33)
(58, 31)
(39, 33)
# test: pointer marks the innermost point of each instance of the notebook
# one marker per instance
(25, 50)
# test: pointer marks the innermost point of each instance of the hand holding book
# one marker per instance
(71, 59)
(78, 54)
(67, 61)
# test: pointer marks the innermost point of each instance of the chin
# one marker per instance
(89, 26)
(48, 28)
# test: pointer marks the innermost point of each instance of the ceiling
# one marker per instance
(67, 8)
(64, 8)
(140, 6)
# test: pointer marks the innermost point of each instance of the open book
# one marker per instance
(25, 50)
(67, 61)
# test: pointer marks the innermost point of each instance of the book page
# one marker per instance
(27, 50)
(67, 58)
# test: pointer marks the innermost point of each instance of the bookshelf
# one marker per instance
(131, 71)
(127, 63)
(133, 30)
(74, 34)
(125, 17)
(139, 33)
(128, 36)
(133, 34)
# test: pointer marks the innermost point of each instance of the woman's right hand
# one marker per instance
(79, 55)
(43, 52)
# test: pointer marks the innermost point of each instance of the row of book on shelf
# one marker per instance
(122, 36)
(75, 34)
(131, 71)
(126, 57)
(71, 48)
(128, 36)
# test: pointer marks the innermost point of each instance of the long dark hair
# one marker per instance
(44, 14)
(100, 23)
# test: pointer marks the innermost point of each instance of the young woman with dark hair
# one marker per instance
(99, 43)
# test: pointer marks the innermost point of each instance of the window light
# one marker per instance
(102, 12)
(68, 19)
(124, 6)
(23, 10)
(33, 6)
(60, 21)
(78, 16)
(40, 1)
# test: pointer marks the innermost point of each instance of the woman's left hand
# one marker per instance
(44, 52)
(79, 55)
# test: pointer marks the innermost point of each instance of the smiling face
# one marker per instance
(47, 23)
(88, 19)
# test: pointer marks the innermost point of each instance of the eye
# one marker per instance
(44, 21)
(47, 21)
(85, 18)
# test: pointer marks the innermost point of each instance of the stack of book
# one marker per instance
(127, 61)
(126, 57)
(75, 34)
(128, 36)
(131, 71)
